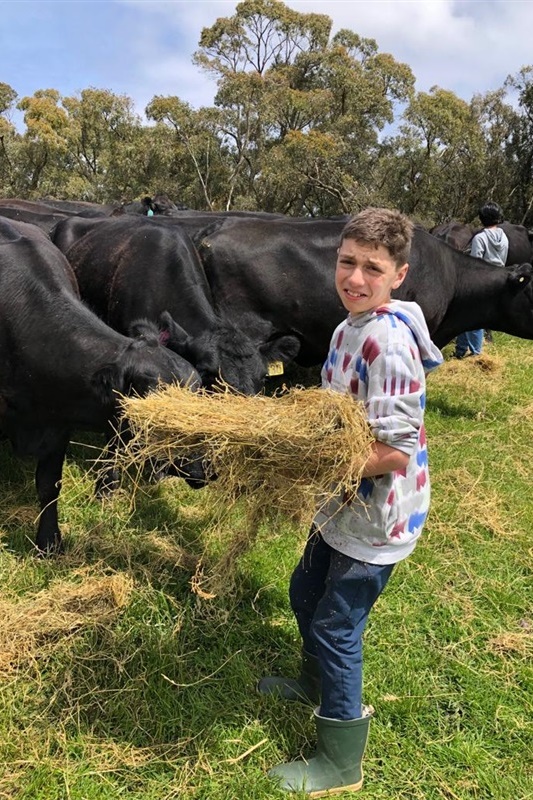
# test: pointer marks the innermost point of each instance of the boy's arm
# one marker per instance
(384, 458)
(395, 408)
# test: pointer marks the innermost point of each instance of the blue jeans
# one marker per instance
(471, 340)
(331, 596)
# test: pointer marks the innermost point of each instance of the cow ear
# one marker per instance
(145, 329)
(173, 335)
(282, 348)
(105, 382)
(520, 276)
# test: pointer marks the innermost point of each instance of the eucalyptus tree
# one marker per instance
(105, 138)
(8, 138)
(44, 145)
(499, 122)
(287, 90)
(433, 165)
(520, 145)
(188, 146)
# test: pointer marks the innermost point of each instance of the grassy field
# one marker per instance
(117, 681)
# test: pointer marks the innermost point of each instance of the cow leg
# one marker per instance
(48, 484)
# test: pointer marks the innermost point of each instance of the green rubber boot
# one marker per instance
(305, 688)
(336, 764)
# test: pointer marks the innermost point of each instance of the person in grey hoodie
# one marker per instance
(380, 355)
(492, 245)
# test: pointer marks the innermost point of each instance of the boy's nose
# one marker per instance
(356, 277)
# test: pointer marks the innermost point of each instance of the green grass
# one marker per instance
(160, 701)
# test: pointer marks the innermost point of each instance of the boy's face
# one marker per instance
(366, 275)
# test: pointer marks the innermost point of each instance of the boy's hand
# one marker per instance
(383, 459)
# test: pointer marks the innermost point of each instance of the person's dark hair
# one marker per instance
(490, 214)
(382, 226)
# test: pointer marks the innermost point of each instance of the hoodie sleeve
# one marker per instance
(478, 246)
(396, 396)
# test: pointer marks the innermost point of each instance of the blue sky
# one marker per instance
(143, 47)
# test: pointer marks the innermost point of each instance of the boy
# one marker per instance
(492, 245)
(380, 355)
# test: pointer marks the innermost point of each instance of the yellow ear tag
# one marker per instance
(275, 368)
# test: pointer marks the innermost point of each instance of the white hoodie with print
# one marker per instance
(381, 357)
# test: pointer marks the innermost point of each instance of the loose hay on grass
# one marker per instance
(475, 375)
(285, 454)
(38, 623)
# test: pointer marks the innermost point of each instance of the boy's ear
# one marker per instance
(400, 276)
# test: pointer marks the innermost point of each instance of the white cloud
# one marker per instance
(464, 45)
(144, 48)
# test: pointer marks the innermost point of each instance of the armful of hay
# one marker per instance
(287, 452)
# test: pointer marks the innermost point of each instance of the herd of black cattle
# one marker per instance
(99, 300)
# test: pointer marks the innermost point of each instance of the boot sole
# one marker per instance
(353, 787)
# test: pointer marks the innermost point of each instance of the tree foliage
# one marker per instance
(303, 122)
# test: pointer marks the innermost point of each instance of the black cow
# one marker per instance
(61, 367)
(82, 208)
(70, 229)
(46, 214)
(37, 214)
(131, 268)
(284, 272)
(459, 236)
(195, 223)
(456, 234)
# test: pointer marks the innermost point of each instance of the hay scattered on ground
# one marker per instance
(285, 454)
(33, 626)
(479, 375)
(519, 643)
(475, 505)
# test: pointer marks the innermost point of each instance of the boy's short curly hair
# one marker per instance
(382, 226)
(490, 214)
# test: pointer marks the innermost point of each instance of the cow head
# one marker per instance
(519, 276)
(514, 307)
(141, 366)
(238, 355)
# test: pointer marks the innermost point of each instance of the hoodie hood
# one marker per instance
(497, 241)
(411, 315)
(495, 236)
(492, 245)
